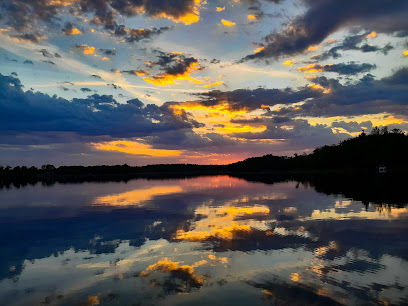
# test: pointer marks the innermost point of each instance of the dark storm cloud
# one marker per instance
(96, 115)
(85, 89)
(323, 17)
(350, 68)
(28, 62)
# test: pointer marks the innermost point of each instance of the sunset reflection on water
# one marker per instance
(205, 240)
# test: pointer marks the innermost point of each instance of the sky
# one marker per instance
(91, 82)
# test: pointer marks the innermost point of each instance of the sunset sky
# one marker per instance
(87, 82)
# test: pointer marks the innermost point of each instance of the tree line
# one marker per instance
(363, 153)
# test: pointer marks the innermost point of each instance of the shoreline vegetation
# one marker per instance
(360, 156)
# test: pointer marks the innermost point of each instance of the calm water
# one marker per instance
(206, 241)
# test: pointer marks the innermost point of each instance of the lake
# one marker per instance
(210, 240)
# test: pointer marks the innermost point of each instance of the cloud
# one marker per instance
(135, 72)
(28, 37)
(70, 29)
(86, 49)
(352, 43)
(110, 52)
(322, 18)
(350, 68)
(175, 67)
(367, 96)
(133, 147)
(96, 115)
(135, 35)
(22, 13)
(228, 23)
(249, 100)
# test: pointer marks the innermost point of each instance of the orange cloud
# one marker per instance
(252, 17)
(72, 31)
(310, 69)
(331, 41)
(372, 35)
(319, 87)
(259, 49)
(133, 147)
(229, 128)
(86, 49)
(312, 48)
(220, 9)
(216, 109)
(405, 53)
(164, 78)
(228, 23)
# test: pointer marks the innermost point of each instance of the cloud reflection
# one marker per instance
(225, 222)
(136, 197)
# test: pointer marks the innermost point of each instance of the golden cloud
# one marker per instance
(214, 84)
(311, 68)
(319, 87)
(216, 109)
(133, 147)
(288, 63)
(228, 23)
(312, 48)
(259, 49)
(220, 9)
(372, 35)
(72, 31)
(86, 49)
(229, 128)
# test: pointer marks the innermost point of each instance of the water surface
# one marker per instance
(206, 240)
